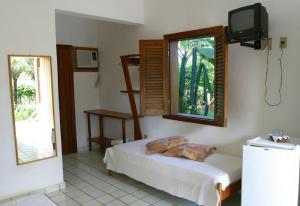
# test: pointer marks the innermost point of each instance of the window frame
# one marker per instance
(220, 119)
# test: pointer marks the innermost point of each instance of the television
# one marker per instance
(249, 23)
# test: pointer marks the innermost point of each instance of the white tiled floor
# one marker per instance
(87, 184)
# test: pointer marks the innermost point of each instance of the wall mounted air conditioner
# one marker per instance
(86, 58)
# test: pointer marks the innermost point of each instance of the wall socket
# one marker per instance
(283, 42)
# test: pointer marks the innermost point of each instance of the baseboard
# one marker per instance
(46, 190)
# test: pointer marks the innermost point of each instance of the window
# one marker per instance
(192, 74)
(187, 74)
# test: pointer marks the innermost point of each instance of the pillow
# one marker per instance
(197, 152)
(191, 151)
(175, 151)
(163, 144)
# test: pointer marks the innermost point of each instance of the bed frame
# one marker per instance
(224, 194)
(230, 190)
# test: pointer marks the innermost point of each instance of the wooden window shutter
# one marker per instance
(221, 78)
(153, 77)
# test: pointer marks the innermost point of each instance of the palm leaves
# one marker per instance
(196, 79)
(20, 66)
(207, 52)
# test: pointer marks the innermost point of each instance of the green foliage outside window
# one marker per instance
(25, 94)
(196, 65)
(26, 112)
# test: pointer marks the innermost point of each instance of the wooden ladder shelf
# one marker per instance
(132, 60)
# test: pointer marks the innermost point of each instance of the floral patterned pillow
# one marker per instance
(163, 144)
(191, 151)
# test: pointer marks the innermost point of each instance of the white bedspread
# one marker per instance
(192, 180)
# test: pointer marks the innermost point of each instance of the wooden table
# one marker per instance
(101, 113)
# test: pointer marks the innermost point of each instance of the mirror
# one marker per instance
(32, 107)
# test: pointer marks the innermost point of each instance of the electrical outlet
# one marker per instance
(266, 44)
(283, 42)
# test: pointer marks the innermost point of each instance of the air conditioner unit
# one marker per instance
(86, 58)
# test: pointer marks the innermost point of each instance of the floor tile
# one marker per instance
(92, 203)
(81, 184)
(128, 198)
(163, 203)
(60, 198)
(118, 193)
(121, 185)
(115, 202)
(69, 188)
(97, 194)
(100, 184)
(187, 203)
(90, 189)
(130, 189)
(74, 193)
(140, 193)
(106, 198)
(172, 199)
(139, 203)
(163, 194)
(82, 198)
(68, 203)
(110, 189)
(151, 199)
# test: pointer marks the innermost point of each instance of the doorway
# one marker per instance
(65, 67)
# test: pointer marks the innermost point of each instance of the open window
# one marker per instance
(185, 76)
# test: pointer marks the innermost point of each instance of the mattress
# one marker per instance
(192, 180)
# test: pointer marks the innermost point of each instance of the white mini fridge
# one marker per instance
(270, 176)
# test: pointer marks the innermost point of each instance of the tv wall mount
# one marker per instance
(257, 44)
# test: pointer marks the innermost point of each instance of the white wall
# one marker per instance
(25, 34)
(115, 40)
(28, 27)
(129, 11)
(248, 114)
(77, 31)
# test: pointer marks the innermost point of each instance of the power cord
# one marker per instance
(267, 73)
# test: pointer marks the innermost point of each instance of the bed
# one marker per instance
(205, 183)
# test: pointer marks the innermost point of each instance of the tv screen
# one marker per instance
(242, 20)
(249, 23)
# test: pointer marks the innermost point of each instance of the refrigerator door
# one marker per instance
(270, 177)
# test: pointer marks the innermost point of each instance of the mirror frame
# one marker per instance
(13, 109)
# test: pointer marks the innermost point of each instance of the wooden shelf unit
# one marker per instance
(133, 60)
(105, 142)
(127, 61)
(109, 113)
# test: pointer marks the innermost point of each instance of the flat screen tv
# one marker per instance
(249, 23)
